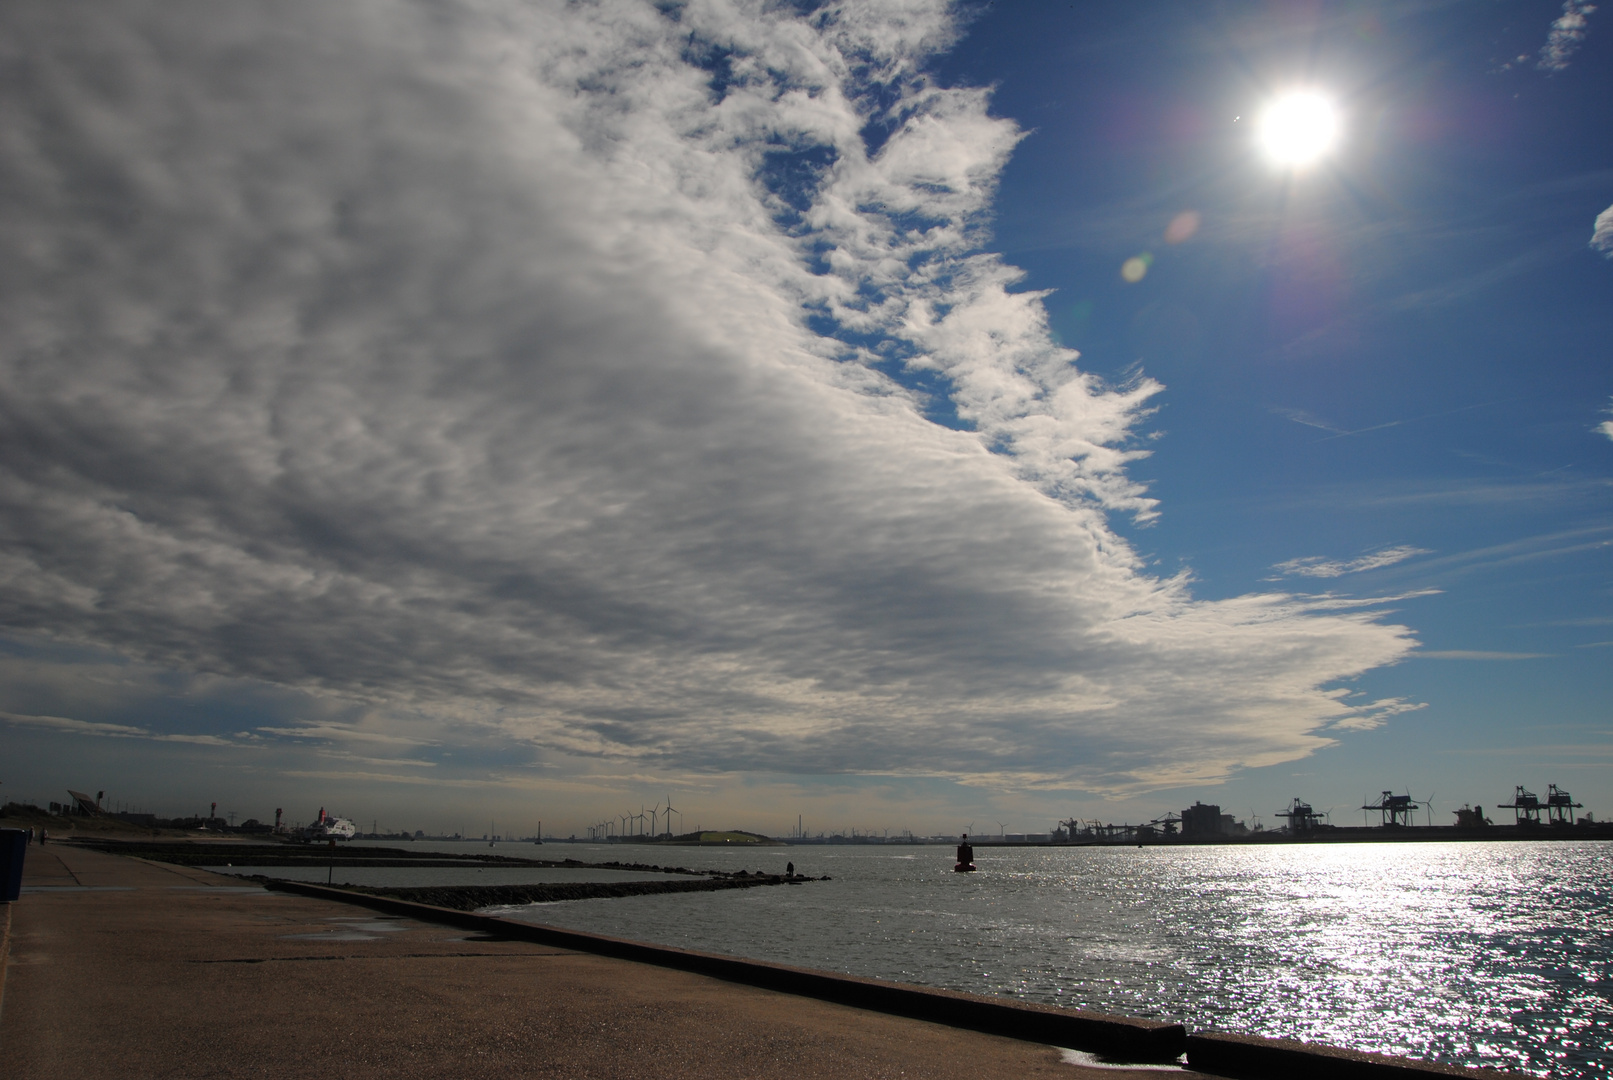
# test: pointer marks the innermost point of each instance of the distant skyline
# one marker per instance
(894, 413)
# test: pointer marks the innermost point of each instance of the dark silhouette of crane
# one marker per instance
(1396, 810)
(1301, 818)
(1560, 806)
(1525, 806)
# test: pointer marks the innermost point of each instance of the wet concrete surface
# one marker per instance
(122, 968)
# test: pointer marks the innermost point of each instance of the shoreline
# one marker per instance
(119, 967)
(134, 943)
(1417, 834)
(474, 897)
(1339, 834)
(1116, 1040)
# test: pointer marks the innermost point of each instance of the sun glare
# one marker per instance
(1298, 128)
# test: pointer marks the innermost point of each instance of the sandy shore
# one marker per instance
(122, 968)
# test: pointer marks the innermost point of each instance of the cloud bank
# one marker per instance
(607, 380)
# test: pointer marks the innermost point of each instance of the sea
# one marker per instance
(1479, 954)
(1493, 954)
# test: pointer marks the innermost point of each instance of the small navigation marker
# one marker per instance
(966, 857)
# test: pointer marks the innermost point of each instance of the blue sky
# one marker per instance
(523, 413)
(1404, 349)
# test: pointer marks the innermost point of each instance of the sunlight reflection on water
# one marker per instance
(1494, 954)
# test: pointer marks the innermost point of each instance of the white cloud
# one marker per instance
(1602, 232)
(1318, 566)
(1376, 714)
(341, 733)
(1567, 31)
(510, 374)
(1606, 426)
(115, 731)
(1477, 654)
(1334, 602)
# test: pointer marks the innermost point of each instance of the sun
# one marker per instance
(1298, 128)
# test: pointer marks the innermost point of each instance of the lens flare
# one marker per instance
(1299, 128)
(1182, 227)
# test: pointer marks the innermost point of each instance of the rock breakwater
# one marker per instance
(474, 897)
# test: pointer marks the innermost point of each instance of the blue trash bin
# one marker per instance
(13, 842)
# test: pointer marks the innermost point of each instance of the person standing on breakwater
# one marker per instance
(789, 869)
(966, 856)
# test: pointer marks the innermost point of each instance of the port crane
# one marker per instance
(1560, 806)
(1167, 824)
(1301, 818)
(1525, 806)
(1396, 810)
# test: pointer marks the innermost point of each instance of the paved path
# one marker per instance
(122, 968)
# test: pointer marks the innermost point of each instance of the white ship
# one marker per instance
(328, 827)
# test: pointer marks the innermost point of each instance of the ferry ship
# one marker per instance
(330, 827)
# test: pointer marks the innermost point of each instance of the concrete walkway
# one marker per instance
(122, 968)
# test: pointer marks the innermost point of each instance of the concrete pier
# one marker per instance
(122, 968)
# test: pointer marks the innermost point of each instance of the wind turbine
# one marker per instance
(655, 815)
(1002, 829)
(670, 810)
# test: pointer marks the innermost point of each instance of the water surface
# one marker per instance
(1494, 954)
